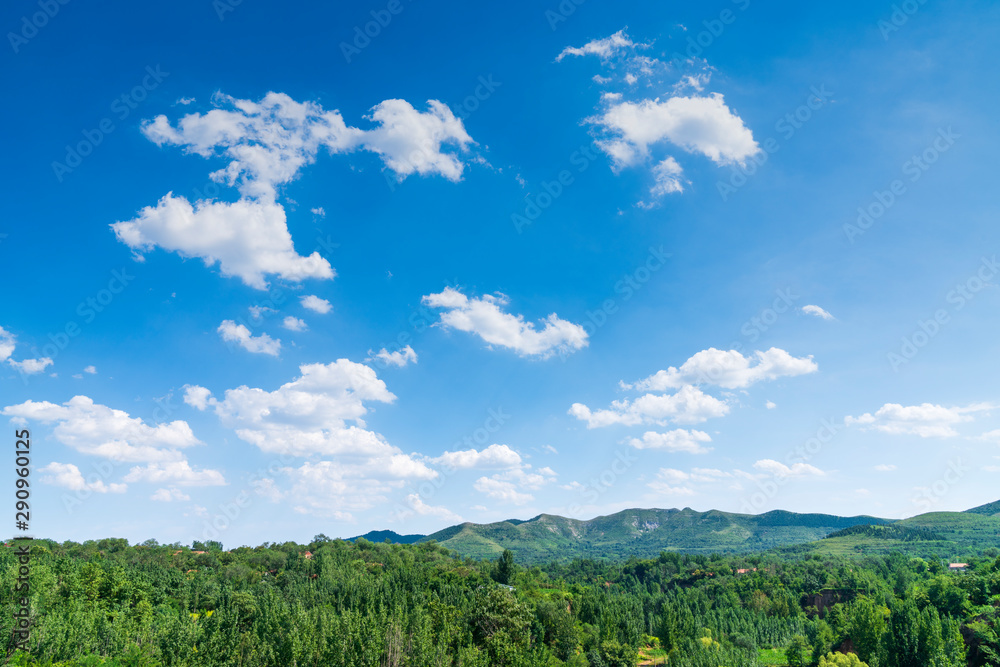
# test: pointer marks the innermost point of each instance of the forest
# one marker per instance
(335, 603)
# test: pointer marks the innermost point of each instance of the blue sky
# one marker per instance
(268, 276)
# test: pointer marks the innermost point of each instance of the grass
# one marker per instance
(771, 656)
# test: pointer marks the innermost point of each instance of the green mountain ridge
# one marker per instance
(645, 533)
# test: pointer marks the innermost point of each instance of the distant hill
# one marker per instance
(391, 535)
(989, 509)
(641, 532)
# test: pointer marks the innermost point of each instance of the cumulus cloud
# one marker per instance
(68, 476)
(494, 456)
(320, 416)
(817, 311)
(398, 358)
(92, 370)
(98, 430)
(294, 324)
(667, 177)
(925, 420)
(603, 48)
(8, 343)
(728, 369)
(778, 469)
(514, 485)
(266, 144)
(668, 481)
(417, 504)
(486, 318)
(240, 335)
(697, 124)
(169, 495)
(176, 472)
(249, 239)
(315, 304)
(689, 405)
(678, 440)
(31, 366)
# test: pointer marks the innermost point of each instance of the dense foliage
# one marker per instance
(337, 603)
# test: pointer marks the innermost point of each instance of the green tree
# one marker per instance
(799, 652)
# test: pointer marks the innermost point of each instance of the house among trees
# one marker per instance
(307, 555)
(957, 567)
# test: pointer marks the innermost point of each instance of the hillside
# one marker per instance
(391, 535)
(641, 532)
(948, 535)
(989, 509)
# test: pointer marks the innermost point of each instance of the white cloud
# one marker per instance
(667, 480)
(926, 420)
(68, 476)
(494, 456)
(667, 175)
(885, 467)
(778, 469)
(485, 318)
(248, 238)
(503, 490)
(169, 495)
(320, 416)
(398, 358)
(512, 485)
(688, 406)
(267, 144)
(267, 488)
(729, 370)
(603, 48)
(90, 369)
(8, 343)
(294, 324)
(31, 366)
(991, 436)
(318, 211)
(177, 472)
(270, 141)
(699, 124)
(239, 334)
(416, 503)
(98, 430)
(678, 440)
(257, 313)
(316, 304)
(197, 397)
(770, 405)
(550, 449)
(817, 311)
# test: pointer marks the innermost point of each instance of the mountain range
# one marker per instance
(645, 533)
